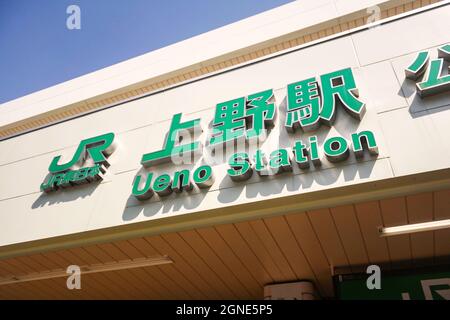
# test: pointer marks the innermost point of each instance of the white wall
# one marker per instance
(394, 112)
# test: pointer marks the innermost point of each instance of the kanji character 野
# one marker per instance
(245, 118)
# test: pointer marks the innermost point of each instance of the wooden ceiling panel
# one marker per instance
(211, 282)
(369, 218)
(441, 204)
(236, 260)
(186, 275)
(163, 274)
(420, 209)
(121, 284)
(242, 250)
(131, 251)
(84, 256)
(81, 256)
(305, 236)
(6, 269)
(214, 262)
(263, 254)
(115, 253)
(230, 260)
(20, 291)
(16, 266)
(289, 246)
(50, 287)
(265, 237)
(326, 231)
(90, 286)
(144, 290)
(350, 234)
(161, 291)
(394, 213)
(96, 252)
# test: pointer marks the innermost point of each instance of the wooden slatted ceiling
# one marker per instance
(235, 261)
(441, 211)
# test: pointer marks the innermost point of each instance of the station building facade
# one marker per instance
(272, 158)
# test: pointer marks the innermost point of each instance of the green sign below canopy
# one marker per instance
(406, 286)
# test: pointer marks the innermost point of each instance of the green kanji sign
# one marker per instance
(433, 80)
(244, 117)
(172, 146)
(310, 104)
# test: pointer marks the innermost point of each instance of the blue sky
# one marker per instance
(37, 50)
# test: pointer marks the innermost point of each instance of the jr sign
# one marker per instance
(94, 151)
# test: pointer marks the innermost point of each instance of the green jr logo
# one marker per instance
(96, 150)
